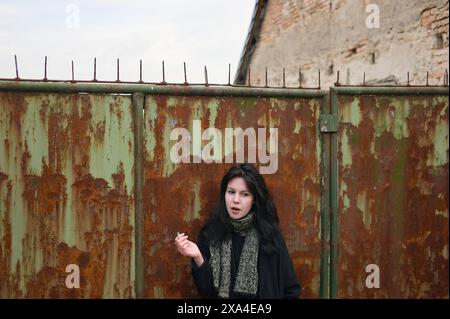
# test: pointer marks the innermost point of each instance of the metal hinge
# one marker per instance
(328, 123)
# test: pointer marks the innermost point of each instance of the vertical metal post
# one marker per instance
(333, 200)
(17, 69)
(206, 77)
(95, 70)
(45, 69)
(138, 107)
(319, 80)
(118, 70)
(299, 77)
(163, 74)
(266, 78)
(325, 205)
(73, 73)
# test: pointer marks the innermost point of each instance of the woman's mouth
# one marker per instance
(235, 210)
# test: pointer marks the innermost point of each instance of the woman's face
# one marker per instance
(238, 198)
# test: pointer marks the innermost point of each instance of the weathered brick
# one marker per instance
(313, 35)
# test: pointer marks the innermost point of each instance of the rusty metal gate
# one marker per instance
(86, 178)
(392, 192)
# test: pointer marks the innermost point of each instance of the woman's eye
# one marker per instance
(230, 192)
(245, 194)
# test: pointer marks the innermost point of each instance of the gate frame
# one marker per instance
(328, 128)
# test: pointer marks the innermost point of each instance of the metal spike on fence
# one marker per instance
(73, 73)
(140, 71)
(185, 76)
(337, 79)
(446, 77)
(118, 70)
(206, 77)
(45, 69)
(364, 78)
(284, 78)
(299, 77)
(407, 78)
(163, 74)
(229, 73)
(266, 79)
(249, 83)
(427, 79)
(95, 70)
(17, 69)
(319, 79)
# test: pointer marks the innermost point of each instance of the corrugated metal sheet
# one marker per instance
(180, 197)
(66, 195)
(393, 196)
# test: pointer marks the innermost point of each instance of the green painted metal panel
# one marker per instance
(66, 195)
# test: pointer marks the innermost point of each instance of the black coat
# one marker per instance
(276, 275)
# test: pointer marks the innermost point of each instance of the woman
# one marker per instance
(241, 252)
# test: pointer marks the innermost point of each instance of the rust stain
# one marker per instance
(45, 194)
(80, 140)
(388, 199)
(58, 138)
(24, 162)
(49, 282)
(3, 177)
(6, 147)
(103, 221)
(115, 108)
(9, 280)
(16, 114)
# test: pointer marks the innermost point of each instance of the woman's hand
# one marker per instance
(188, 248)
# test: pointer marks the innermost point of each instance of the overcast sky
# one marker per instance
(200, 32)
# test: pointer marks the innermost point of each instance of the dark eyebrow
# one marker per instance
(246, 191)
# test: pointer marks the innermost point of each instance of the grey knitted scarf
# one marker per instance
(247, 275)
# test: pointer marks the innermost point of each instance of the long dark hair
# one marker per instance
(266, 219)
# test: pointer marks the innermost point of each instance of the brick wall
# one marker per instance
(280, 16)
(331, 35)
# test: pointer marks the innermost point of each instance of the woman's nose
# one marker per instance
(236, 198)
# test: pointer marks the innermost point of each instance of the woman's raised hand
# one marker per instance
(186, 247)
